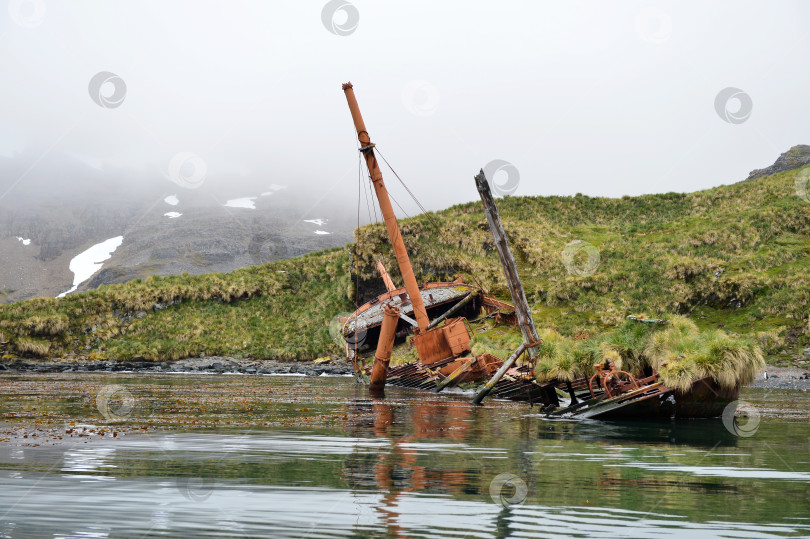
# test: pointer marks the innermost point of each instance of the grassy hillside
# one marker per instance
(733, 257)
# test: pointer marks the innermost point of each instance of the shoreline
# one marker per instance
(772, 377)
(196, 365)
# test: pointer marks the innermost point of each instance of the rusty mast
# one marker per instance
(394, 234)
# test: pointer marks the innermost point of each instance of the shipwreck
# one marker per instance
(434, 317)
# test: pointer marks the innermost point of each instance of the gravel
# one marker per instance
(782, 378)
(211, 364)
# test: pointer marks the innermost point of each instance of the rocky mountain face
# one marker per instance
(48, 218)
(796, 157)
(205, 239)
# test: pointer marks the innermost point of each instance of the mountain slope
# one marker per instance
(734, 257)
(63, 206)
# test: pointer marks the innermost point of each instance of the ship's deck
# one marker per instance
(371, 314)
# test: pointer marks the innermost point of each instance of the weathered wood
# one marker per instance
(455, 375)
(524, 313)
(498, 375)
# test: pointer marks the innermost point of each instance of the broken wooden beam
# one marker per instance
(522, 310)
(498, 375)
(453, 376)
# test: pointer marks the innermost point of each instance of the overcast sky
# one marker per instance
(604, 98)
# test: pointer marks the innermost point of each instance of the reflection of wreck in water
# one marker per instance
(398, 472)
(412, 450)
(398, 469)
(437, 316)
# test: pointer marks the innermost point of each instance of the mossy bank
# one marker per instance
(733, 258)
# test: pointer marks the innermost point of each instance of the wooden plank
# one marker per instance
(455, 375)
(524, 313)
(498, 375)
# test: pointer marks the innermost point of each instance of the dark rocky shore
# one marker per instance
(772, 377)
(782, 378)
(211, 365)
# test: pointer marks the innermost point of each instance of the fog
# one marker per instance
(603, 98)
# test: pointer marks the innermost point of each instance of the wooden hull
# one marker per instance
(363, 326)
(705, 399)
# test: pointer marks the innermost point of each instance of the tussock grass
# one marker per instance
(278, 311)
(682, 354)
(47, 325)
(678, 351)
(28, 346)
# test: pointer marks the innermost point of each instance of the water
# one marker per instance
(269, 456)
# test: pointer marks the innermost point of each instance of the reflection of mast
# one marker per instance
(398, 472)
(391, 224)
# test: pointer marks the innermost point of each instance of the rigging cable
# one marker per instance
(355, 358)
(390, 195)
(428, 215)
(421, 207)
(368, 191)
(398, 205)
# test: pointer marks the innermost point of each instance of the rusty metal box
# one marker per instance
(445, 342)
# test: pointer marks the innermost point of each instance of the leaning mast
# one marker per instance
(394, 233)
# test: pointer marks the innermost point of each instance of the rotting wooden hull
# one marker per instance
(363, 326)
(705, 399)
(653, 401)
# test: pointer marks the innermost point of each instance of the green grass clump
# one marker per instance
(678, 350)
(27, 346)
(566, 358)
(682, 354)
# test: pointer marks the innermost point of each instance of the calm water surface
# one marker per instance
(264, 456)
